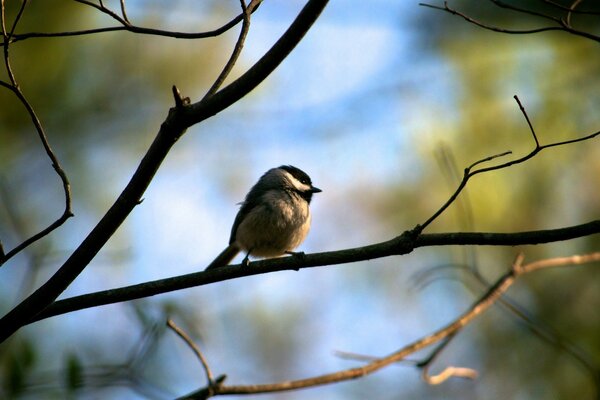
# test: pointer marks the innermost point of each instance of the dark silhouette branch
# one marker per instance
(176, 123)
(561, 24)
(13, 86)
(471, 172)
(400, 245)
(237, 50)
(128, 27)
(479, 307)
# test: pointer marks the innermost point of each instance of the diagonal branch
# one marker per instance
(179, 119)
(488, 299)
(237, 50)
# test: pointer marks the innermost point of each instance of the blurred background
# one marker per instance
(383, 104)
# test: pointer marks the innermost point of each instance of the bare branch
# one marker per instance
(400, 245)
(127, 26)
(124, 12)
(478, 308)
(447, 373)
(470, 172)
(237, 50)
(562, 24)
(570, 9)
(14, 87)
(184, 336)
(537, 142)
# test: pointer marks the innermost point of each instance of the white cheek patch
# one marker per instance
(302, 187)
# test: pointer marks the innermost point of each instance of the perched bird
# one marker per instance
(273, 219)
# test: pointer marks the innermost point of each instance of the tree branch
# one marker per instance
(400, 245)
(14, 87)
(178, 120)
(237, 50)
(128, 27)
(470, 171)
(562, 23)
(478, 308)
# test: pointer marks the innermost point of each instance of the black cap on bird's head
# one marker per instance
(303, 184)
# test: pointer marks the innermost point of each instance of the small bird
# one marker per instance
(273, 219)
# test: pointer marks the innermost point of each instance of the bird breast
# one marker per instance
(278, 224)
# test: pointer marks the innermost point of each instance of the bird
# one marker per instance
(274, 217)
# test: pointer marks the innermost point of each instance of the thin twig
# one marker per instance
(237, 49)
(563, 8)
(100, 7)
(447, 373)
(470, 172)
(124, 12)
(14, 87)
(537, 143)
(563, 26)
(133, 29)
(522, 10)
(184, 336)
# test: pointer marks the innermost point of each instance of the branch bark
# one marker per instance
(400, 245)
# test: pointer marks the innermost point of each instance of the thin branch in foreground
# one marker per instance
(478, 308)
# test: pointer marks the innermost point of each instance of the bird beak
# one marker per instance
(315, 190)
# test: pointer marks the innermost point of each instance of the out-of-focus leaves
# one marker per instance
(73, 373)
(17, 366)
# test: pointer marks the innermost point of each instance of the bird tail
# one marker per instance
(225, 257)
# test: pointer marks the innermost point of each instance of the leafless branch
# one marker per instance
(400, 245)
(124, 12)
(184, 336)
(128, 27)
(570, 8)
(14, 87)
(561, 24)
(471, 172)
(488, 299)
(237, 50)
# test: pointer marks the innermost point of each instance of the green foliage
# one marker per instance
(73, 373)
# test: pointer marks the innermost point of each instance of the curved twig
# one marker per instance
(128, 27)
(14, 87)
(237, 50)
